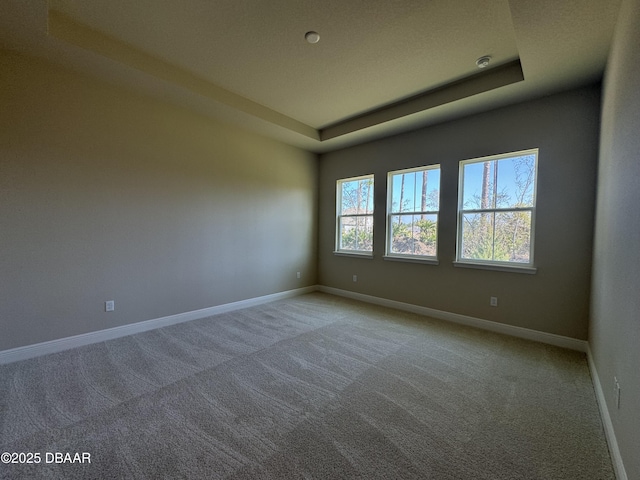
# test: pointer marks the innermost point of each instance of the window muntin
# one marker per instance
(496, 209)
(354, 219)
(413, 203)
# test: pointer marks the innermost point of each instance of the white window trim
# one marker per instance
(412, 259)
(503, 267)
(348, 252)
(405, 257)
(494, 264)
(354, 253)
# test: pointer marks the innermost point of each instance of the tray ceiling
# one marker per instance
(380, 66)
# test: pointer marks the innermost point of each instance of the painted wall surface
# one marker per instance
(615, 313)
(108, 195)
(565, 127)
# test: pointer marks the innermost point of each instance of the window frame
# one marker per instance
(407, 257)
(339, 216)
(492, 264)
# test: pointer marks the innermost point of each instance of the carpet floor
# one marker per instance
(316, 386)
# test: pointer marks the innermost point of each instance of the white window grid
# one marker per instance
(462, 211)
(340, 216)
(391, 213)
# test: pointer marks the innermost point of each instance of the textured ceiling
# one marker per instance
(381, 66)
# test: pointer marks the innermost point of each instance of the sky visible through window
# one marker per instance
(497, 207)
(355, 215)
(412, 192)
(515, 184)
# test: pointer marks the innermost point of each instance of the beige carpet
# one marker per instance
(311, 387)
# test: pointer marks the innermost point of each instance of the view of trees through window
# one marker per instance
(355, 216)
(497, 207)
(496, 211)
(413, 211)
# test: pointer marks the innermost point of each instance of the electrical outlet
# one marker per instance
(616, 391)
(109, 306)
(297, 274)
(493, 301)
(355, 278)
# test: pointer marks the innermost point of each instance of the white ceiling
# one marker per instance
(381, 66)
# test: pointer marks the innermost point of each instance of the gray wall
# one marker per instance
(105, 194)
(615, 313)
(565, 128)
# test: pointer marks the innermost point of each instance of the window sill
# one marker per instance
(499, 268)
(368, 255)
(428, 261)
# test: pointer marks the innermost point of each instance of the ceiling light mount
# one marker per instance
(312, 37)
(483, 62)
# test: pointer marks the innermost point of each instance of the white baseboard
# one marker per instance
(548, 338)
(616, 458)
(54, 346)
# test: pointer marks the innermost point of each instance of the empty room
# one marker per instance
(344, 239)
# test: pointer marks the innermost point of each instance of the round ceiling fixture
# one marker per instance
(312, 37)
(483, 62)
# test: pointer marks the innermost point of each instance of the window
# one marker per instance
(496, 209)
(354, 219)
(413, 200)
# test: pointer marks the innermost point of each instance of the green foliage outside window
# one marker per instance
(355, 215)
(497, 212)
